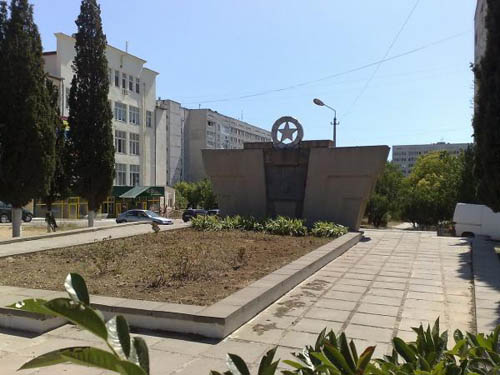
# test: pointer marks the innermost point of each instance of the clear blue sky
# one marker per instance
(225, 49)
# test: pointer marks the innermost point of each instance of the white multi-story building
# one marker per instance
(132, 95)
(157, 143)
(172, 117)
(406, 156)
(207, 129)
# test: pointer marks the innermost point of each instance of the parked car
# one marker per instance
(476, 219)
(6, 213)
(191, 212)
(213, 212)
(132, 216)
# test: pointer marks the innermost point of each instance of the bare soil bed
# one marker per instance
(181, 266)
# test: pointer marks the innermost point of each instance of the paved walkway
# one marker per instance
(383, 286)
(116, 231)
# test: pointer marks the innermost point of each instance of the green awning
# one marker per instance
(144, 191)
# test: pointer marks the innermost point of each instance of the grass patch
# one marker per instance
(181, 266)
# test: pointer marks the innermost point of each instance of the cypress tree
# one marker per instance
(60, 182)
(90, 115)
(486, 120)
(26, 132)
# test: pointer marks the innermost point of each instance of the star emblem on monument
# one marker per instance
(287, 132)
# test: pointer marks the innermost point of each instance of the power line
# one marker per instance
(394, 40)
(353, 70)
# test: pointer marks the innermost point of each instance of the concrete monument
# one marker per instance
(290, 177)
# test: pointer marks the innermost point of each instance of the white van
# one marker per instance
(476, 219)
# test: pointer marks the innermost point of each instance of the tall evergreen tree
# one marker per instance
(60, 182)
(486, 121)
(26, 132)
(90, 116)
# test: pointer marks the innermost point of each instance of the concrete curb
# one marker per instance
(223, 317)
(66, 233)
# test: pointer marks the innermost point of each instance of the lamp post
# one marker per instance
(335, 123)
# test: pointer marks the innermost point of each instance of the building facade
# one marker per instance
(207, 129)
(132, 95)
(480, 32)
(172, 117)
(406, 156)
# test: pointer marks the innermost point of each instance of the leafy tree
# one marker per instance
(60, 182)
(486, 120)
(26, 130)
(431, 190)
(195, 194)
(385, 200)
(90, 116)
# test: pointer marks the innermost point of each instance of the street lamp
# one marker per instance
(335, 123)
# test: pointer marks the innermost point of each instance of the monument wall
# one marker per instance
(310, 180)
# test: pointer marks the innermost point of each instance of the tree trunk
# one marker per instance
(49, 212)
(17, 215)
(91, 217)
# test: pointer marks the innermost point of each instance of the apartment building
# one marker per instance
(132, 95)
(171, 116)
(480, 32)
(406, 156)
(207, 129)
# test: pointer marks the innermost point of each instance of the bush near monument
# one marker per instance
(472, 354)
(195, 195)
(282, 226)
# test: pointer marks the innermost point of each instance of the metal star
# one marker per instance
(287, 133)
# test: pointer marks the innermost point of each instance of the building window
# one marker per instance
(120, 142)
(121, 174)
(121, 112)
(117, 78)
(124, 81)
(134, 143)
(134, 117)
(131, 83)
(137, 85)
(134, 175)
(110, 75)
(149, 119)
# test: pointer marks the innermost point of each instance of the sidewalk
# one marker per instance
(383, 286)
(116, 231)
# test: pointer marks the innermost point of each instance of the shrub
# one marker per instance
(207, 223)
(282, 226)
(328, 229)
(286, 226)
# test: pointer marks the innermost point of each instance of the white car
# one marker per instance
(476, 219)
(132, 216)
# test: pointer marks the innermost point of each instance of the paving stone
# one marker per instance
(346, 296)
(335, 304)
(346, 281)
(250, 351)
(256, 333)
(327, 314)
(373, 320)
(426, 288)
(372, 308)
(298, 340)
(349, 288)
(426, 296)
(316, 325)
(381, 300)
(373, 334)
(202, 366)
(385, 285)
(386, 292)
(192, 348)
